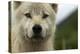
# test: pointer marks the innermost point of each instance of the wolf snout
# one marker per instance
(37, 29)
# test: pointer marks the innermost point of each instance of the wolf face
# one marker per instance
(35, 21)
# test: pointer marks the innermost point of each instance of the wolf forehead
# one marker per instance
(35, 7)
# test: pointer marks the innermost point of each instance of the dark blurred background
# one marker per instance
(67, 32)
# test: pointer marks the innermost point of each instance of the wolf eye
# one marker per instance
(45, 16)
(28, 15)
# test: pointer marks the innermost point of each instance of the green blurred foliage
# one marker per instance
(67, 33)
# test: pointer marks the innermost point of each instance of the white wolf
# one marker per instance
(33, 27)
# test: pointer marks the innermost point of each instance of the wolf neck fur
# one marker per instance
(35, 46)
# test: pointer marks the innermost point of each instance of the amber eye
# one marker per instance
(45, 15)
(28, 15)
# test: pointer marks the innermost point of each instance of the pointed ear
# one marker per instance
(54, 6)
(16, 4)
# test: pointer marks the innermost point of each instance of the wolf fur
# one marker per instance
(22, 26)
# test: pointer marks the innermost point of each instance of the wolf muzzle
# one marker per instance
(37, 30)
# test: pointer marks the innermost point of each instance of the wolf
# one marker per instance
(33, 26)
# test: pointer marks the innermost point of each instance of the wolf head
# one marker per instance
(35, 21)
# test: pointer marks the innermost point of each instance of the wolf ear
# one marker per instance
(16, 4)
(54, 6)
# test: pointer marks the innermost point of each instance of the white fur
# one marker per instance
(23, 27)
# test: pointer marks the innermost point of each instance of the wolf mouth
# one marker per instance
(37, 37)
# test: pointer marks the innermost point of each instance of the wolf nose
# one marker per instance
(37, 28)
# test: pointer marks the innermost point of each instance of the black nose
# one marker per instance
(37, 28)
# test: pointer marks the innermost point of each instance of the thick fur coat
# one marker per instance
(25, 16)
